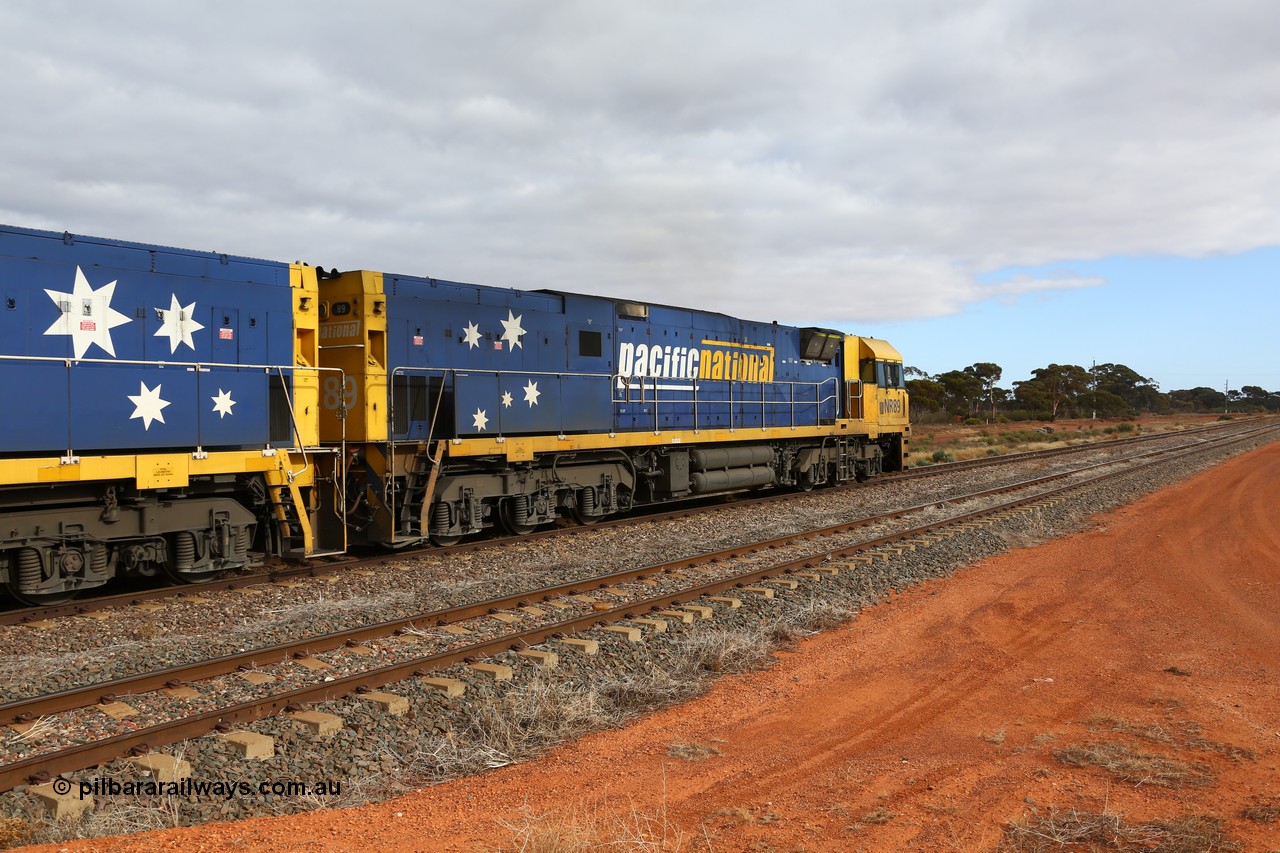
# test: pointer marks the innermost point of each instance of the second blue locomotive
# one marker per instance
(469, 406)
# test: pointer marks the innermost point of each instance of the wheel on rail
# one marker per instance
(585, 503)
(40, 599)
(582, 518)
(38, 579)
(192, 577)
(445, 541)
(507, 515)
(181, 552)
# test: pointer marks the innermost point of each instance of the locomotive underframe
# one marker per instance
(72, 538)
(471, 494)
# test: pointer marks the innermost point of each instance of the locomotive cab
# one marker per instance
(876, 397)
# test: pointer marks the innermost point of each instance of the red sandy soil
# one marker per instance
(938, 713)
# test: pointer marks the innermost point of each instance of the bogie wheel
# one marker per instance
(582, 518)
(584, 507)
(445, 541)
(182, 547)
(27, 570)
(40, 599)
(506, 514)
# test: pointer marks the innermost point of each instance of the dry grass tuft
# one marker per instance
(1188, 735)
(585, 832)
(629, 697)
(692, 751)
(1062, 830)
(1140, 768)
(1191, 738)
(733, 650)
(1265, 811)
(535, 716)
(816, 614)
(996, 737)
(448, 757)
(725, 650)
(41, 728)
(1108, 723)
(877, 816)
(1237, 754)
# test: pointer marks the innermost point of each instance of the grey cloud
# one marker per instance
(747, 157)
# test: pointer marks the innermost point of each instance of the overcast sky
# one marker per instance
(962, 176)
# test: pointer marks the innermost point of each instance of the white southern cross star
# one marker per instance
(147, 405)
(511, 330)
(179, 323)
(480, 420)
(88, 316)
(471, 336)
(222, 404)
(531, 393)
(506, 399)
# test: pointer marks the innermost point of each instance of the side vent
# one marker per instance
(633, 310)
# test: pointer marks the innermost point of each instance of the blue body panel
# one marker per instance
(500, 361)
(442, 329)
(83, 300)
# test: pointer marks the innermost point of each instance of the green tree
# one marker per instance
(927, 395)
(1104, 403)
(1053, 389)
(988, 373)
(1260, 399)
(1140, 393)
(963, 391)
(1199, 399)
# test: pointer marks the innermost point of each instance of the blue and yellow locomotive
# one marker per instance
(190, 413)
(466, 406)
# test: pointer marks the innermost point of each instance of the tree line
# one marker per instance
(1066, 391)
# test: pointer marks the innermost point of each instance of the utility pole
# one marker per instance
(1225, 402)
(1093, 371)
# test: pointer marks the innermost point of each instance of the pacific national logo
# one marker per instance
(713, 360)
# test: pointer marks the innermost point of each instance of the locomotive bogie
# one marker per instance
(72, 545)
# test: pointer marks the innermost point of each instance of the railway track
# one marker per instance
(433, 640)
(286, 574)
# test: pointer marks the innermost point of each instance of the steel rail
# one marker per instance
(80, 756)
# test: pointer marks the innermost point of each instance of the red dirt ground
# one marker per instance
(929, 722)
